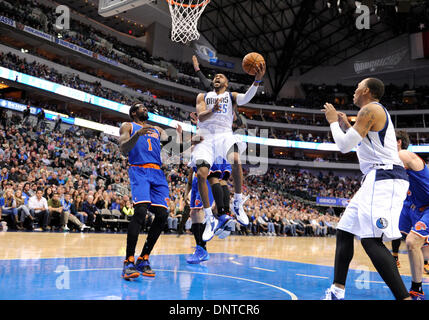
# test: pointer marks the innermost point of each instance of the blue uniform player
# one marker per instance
(414, 219)
(197, 215)
(149, 187)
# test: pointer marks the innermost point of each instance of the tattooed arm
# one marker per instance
(368, 118)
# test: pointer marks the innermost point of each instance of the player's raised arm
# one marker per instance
(244, 98)
(366, 118)
(344, 141)
(206, 83)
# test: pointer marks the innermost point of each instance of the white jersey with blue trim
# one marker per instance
(379, 148)
(222, 120)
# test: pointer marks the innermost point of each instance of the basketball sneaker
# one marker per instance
(238, 210)
(415, 295)
(143, 266)
(199, 255)
(129, 270)
(211, 226)
(226, 229)
(334, 293)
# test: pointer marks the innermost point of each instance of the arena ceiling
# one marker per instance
(295, 36)
(298, 35)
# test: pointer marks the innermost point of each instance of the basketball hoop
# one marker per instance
(184, 16)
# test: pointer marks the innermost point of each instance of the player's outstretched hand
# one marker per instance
(179, 129)
(194, 118)
(195, 63)
(343, 121)
(216, 107)
(331, 113)
(145, 130)
(260, 71)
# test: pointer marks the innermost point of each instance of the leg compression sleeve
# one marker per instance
(134, 227)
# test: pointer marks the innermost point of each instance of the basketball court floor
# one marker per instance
(87, 266)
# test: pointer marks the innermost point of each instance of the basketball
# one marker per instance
(250, 61)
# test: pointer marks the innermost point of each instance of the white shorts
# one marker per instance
(214, 149)
(374, 210)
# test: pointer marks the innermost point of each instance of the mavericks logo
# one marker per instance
(382, 223)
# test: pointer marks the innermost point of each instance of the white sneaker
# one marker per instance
(83, 228)
(211, 226)
(334, 294)
(237, 209)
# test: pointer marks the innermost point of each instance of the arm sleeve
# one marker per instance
(345, 141)
(245, 98)
(204, 81)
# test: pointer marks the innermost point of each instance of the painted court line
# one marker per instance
(235, 262)
(264, 269)
(291, 294)
(310, 276)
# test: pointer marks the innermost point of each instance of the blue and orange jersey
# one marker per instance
(147, 149)
(418, 192)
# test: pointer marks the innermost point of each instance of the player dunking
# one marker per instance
(215, 117)
(373, 213)
(149, 187)
(414, 219)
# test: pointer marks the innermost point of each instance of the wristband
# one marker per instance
(257, 81)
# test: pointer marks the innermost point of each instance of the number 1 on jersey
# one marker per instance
(150, 145)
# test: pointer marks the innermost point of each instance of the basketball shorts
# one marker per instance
(214, 148)
(149, 185)
(196, 202)
(221, 170)
(415, 220)
(374, 210)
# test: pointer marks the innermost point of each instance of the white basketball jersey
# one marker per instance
(379, 147)
(221, 120)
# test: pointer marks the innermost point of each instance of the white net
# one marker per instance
(184, 16)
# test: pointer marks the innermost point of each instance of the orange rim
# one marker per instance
(188, 5)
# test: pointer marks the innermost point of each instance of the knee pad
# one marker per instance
(226, 175)
(202, 163)
(216, 174)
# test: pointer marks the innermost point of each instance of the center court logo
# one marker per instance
(382, 223)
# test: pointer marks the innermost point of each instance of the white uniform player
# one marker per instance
(218, 137)
(215, 118)
(375, 209)
(373, 213)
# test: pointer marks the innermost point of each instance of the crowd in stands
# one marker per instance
(58, 180)
(38, 16)
(43, 18)
(14, 62)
